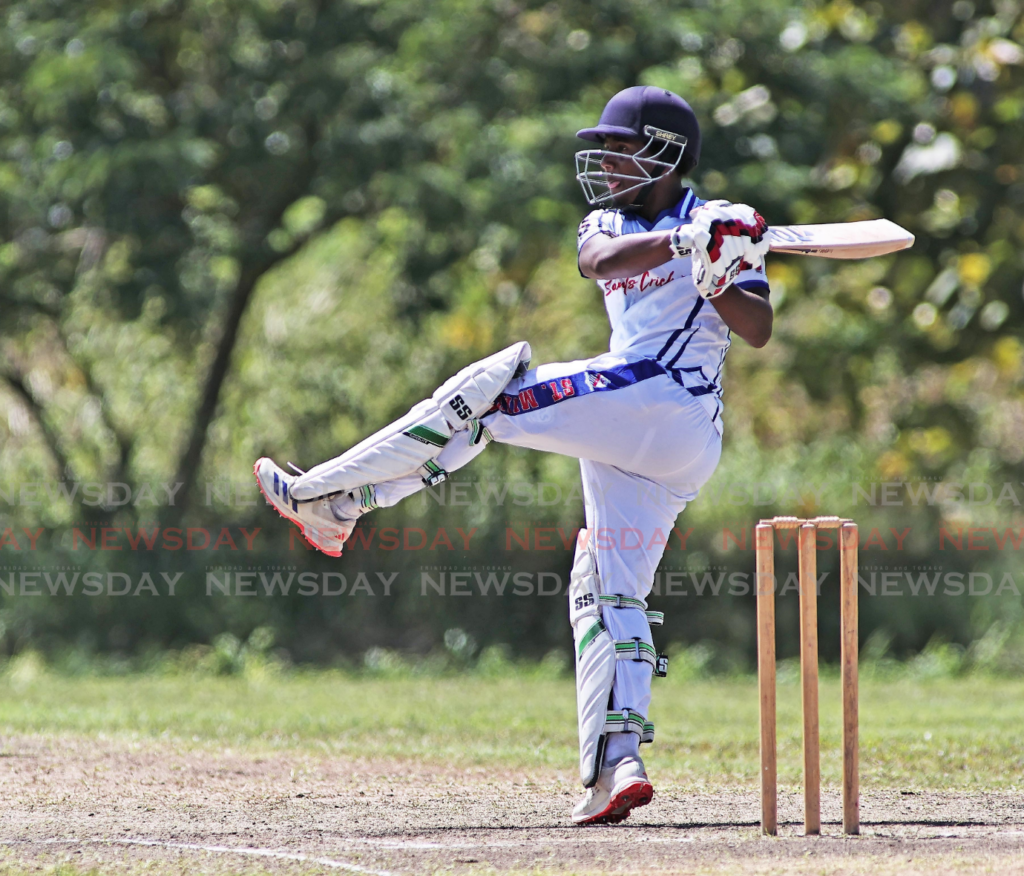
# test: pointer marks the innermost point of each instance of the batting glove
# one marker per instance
(722, 240)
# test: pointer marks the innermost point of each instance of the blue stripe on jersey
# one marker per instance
(686, 204)
(671, 340)
(699, 369)
(551, 392)
(696, 309)
(721, 364)
(682, 347)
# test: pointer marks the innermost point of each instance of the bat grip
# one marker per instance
(682, 245)
(681, 242)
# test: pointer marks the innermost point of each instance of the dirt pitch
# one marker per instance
(147, 807)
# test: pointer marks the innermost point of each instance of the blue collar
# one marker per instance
(680, 211)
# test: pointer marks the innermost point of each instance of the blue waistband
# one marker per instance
(551, 392)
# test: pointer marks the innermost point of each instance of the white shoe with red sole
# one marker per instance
(317, 521)
(619, 789)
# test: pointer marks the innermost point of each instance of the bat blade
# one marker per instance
(841, 240)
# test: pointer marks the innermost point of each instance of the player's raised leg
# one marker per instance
(626, 412)
(344, 488)
(620, 410)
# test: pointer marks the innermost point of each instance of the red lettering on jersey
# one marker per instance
(567, 387)
(649, 281)
(622, 286)
(555, 394)
(527, 400)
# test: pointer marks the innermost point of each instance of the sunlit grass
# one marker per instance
(948, 733)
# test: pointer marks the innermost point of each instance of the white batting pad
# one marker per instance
(415, 441)
(595, 663)
(471, 392)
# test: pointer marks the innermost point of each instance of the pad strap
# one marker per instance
(628, 721)
(636, 650)
(432, 473)
(366, 497)
(613, 600)
(625, 721)
(479, 432)
(616, 601)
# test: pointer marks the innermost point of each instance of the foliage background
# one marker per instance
(231, 228)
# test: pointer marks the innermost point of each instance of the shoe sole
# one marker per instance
(624, 801)
(298, 523)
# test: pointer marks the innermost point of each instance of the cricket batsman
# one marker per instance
(678, 276)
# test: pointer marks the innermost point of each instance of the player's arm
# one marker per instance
(747, 312)
(725, 241)
(609, 258)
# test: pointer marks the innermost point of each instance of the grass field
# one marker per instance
(933, 736)
(940, 734)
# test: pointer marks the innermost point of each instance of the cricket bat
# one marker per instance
(841, 240)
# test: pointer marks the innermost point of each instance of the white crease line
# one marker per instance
(196, 847)
(393, 844)
(455, 844)
(579, 839)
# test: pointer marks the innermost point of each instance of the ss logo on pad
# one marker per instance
(460, 407)
(584, 600)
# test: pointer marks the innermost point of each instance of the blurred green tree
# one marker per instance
(229, 228)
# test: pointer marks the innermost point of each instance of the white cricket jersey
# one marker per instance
(660, 315)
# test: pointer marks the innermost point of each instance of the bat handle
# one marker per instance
(681, 242)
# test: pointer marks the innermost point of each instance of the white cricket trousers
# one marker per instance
(645, 444)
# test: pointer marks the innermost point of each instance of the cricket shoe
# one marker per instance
(319, 524)
(620, 788)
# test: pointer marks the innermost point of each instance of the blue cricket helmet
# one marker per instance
(632, 110)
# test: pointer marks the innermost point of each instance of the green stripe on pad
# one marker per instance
(424, 433)
(590, 635)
